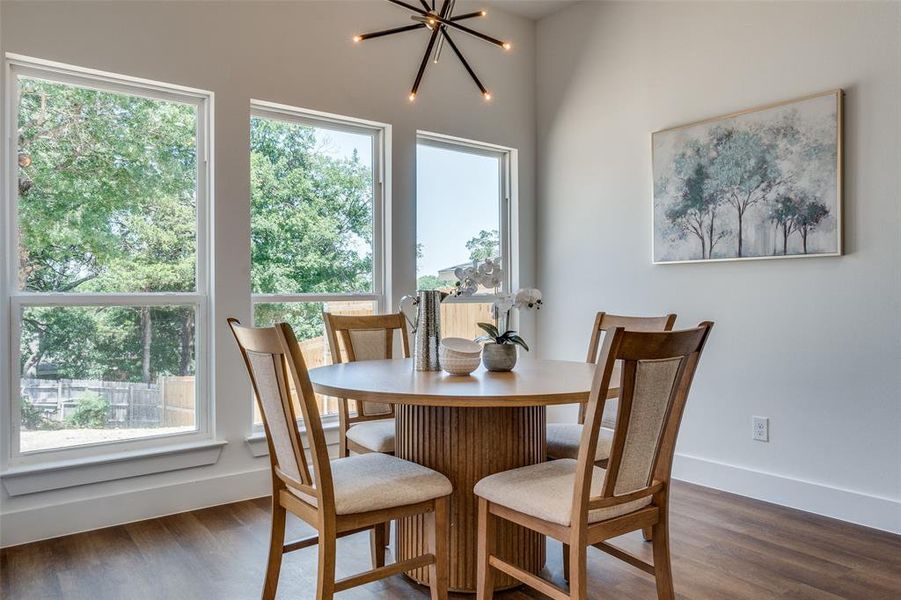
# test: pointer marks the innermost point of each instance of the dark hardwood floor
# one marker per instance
(724, 547)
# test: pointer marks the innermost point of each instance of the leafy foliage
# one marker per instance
(107, 204)
(33, 418)
(91, 412)
(311, 214)
(431, 282)
(485, 245)
(495, 336)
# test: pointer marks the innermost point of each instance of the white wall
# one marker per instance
(813, 344)
(295, 53)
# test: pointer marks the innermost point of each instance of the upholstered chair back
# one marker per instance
(274, 362)
(366, 337)
(655, 374)
(604, 322)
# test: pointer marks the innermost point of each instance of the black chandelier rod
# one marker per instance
(466, 65)
(428, 53)
(378, 34)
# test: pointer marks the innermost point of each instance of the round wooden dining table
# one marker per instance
(466, 427)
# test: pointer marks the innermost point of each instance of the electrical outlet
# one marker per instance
(760, 429)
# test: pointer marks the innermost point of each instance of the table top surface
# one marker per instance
(531, 383)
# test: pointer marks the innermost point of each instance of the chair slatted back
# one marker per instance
(604, 322)
(273, 360)
(366, 337)
(655, 378)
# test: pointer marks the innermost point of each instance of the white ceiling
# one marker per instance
(532, 9)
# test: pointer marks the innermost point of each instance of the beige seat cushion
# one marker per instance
(367, 482)
(563, 441)
(377, 436)
(545, 491)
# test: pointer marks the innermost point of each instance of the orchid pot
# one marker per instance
(499, 351)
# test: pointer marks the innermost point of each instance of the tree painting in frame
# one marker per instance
(762, 183)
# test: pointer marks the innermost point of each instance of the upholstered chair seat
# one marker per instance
(367, 482)
(377, 436)
(545, 491)
(563, 441)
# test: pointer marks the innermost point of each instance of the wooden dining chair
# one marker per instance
(563, 438)
(370, 428)
(340, 497)
(580, 504)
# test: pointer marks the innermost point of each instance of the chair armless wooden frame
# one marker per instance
(639, 467)
(274, 361)
(347, 329)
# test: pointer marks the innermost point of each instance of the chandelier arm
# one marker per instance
(428, 53)
(463, 60)
(410, 7)
(471, 32)
(378, 34)
(472, 15)
(425, 5)
(424, 63)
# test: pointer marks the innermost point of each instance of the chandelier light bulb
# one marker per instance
(487, 96)
(358, 39)
(507, 45)
(412, 97)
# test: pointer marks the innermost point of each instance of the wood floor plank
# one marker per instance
(723, 547)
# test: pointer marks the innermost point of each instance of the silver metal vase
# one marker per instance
(426, 327)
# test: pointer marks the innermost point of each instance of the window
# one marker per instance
(316, 223)
(107, 261)
(462, 217)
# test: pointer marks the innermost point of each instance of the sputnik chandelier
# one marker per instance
(438, 22)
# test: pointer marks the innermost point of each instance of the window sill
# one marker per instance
(258, 447)
(20, 481)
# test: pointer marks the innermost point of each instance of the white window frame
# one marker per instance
(15, 300)
(506, 203)
(380, 134)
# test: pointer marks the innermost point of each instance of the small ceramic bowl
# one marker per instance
(459, 356)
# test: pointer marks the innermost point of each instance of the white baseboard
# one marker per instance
(42, 522)
(847, 505)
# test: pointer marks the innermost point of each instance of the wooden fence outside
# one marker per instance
(170, 402)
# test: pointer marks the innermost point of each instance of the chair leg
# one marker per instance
(276, 545)
(660, 533)
(566, 562)
(486, 547)
(325, 576)
(662, 567)
(387, 533)
(438, 576)
(377, 545)
(578, 573)
(647, 533)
